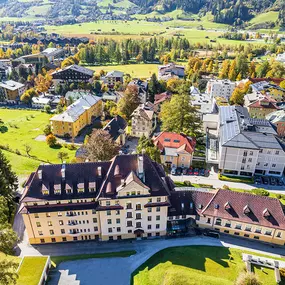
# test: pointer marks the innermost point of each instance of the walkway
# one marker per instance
(117, 271)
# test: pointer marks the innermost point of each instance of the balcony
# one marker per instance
(74, 232)
(70, 214)
(72, 223)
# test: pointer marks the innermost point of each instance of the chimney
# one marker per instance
(40, 174)
(100, 171)
(63, 171)
(140, 167)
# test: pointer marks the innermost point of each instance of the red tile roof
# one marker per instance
(258, 104)
(246, 208)
(160, 98)
(173, 140)
(268, 79)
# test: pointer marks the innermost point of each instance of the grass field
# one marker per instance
(199, 265)
(265, 17)
(31, 270)
(29, 125)
(135, 70)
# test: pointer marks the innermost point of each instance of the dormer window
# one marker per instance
(227, 206)
(92, 186)
(266, 213)
(57, 189)
(68, 189)
(246, 210)
(80, 187)
(45, 191)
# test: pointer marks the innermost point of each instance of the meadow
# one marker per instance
(201, 265)
(23, 126)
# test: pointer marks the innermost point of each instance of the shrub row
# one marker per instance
(235, 179)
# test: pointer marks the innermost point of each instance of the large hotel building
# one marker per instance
(132, 197)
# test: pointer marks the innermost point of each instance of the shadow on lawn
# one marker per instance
(191, 257)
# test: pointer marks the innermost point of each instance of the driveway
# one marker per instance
(105, 271)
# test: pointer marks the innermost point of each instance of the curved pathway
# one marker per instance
(109, 271)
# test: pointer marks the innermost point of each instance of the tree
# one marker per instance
(51, 140)
(282, 84)
(8, 182)
(178, 116)
(153, 87)
(224, 73)
(247, 278)
(43, 83)
(145, 145)
(8, 273)
(47, 109)
(110, 108)
(129, 102)
(28, 95)
(28, 149)
(8, 238)
(100, 146)
(62, 155)
(237, 97)
(47, 130)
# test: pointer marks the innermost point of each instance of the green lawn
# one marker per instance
(31, 270)
(23, 127)
(56, 260)
(265, 17)
(135, 70)
(196, 265)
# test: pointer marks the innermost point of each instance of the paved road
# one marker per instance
(213, 180)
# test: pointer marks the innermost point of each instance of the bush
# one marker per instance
(187, 183)
(17, 152)
(47, 130)
(260, 192)
(51, 140)
(247, 278)
(47, 109)
(67, 136)
(278, 196)
(235, 179)
(226, 187)
(282, 272)
(206, 186)
(71, 146)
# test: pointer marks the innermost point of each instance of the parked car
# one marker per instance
(202, 172)
(185, 171)
(173, 170)
(272, 181)
(190, 171)
(196, 171)
(207, 172)
(279, 182)
(265, 180)
(178, 170)
(257, 180)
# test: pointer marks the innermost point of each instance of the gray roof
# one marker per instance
(11, 85)
(115, 73)
(237, 129)
(78, 68)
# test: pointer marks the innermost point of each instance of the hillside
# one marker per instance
(231, 12)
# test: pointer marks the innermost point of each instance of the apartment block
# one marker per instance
(11, 90)
(220, 88)
(248, 146)
(120, 199)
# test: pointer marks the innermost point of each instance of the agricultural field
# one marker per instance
(135, 70)
(201, 265)
(23, 126)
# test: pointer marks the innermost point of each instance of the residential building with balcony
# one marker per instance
(11, 91)
(176, 149)
(126, 197)
(142, 89)
(112, 77)
(144, 120)
(72, 73)
(248, 146)
(170, 70)
(77, 116)
(277, 118)
(220, 88)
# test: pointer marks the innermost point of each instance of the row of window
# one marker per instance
(59, 214)
(69, 202)
(68, 191)
(129, 205)
(247, 228)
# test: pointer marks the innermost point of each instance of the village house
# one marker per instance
(160, 98)
(277, 118)
(271, 89)
(142, 88)
(259, 106)
(170, 70)
(176, 149)
(144, 120)
(72, 73)
(77, 116)
(11, 91)
(220, 88)
(112, 77)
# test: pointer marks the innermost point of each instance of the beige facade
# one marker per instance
(183, 160)
(246, 230)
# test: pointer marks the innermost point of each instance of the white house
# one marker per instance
(220, 88)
